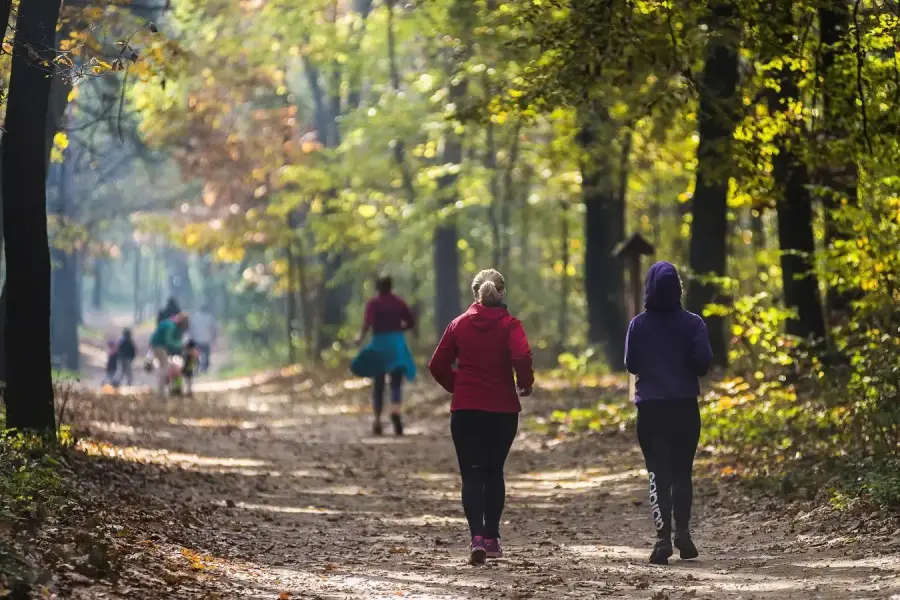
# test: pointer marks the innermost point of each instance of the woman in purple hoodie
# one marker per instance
(668, 350)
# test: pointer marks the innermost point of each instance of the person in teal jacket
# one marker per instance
(165, 342)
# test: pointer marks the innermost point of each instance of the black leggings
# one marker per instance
(378, 391)
(668, 432)
(482, 441)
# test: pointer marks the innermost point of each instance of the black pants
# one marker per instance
(482, 441)
(668, 432)
(378, 391)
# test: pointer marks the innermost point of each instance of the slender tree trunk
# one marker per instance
(492, 209)
(604, 221)
(179, 277)
(64, 287)
(306, 306)
(448, 302)
(564, 283)
(794, 203)
(509, 196)
(406, 177)
(99, 274)
(839, 174)
(290, 306)
(29, 386)
(138, 298)
(716, 118)
(78, 257)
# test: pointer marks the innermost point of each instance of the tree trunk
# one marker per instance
(78, 258)
(138, 315)
(64, 287)
(29, 385)
(839, 173)
(97, 292)
(289, 298)
(509, 196)
(716, 118)
(604, 227)
(564, 283)
(179, 278)
(306, 305)
(406, 177)
(448, 302)
(794, 204)
(492, 209)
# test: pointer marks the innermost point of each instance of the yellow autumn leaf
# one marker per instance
(367, 211)
(61, 140)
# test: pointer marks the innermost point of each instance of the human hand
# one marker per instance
(524, 392)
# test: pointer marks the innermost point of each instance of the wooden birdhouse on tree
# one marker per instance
(630, 251)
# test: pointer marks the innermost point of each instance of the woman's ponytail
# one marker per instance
(489, 295)
(489, 288)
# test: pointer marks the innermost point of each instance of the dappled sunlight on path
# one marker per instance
(294, 498)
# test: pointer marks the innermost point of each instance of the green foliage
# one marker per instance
(30, 483)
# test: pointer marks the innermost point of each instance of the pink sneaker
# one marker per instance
(492, 548)
(477, 551)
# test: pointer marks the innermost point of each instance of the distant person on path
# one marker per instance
(203, 333)
(169, 310)
(166, 341)
(388, 316)
(112, 363)
(127, 353)
(488, 345)
(668, 349)
(190, 358)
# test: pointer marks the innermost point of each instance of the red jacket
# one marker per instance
(488, 344)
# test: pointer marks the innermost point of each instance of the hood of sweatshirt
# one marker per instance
(663, 289)
(485, 318)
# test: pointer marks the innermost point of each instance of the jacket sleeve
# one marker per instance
(441, 363)
(520, 353)
(631, 350)
(701, 351)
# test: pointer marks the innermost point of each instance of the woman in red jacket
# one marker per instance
(488, 344)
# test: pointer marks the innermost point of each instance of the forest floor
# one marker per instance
(275, 489)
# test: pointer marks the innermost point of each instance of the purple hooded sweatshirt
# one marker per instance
(667, 347)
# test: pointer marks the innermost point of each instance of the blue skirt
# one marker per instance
(386, 353)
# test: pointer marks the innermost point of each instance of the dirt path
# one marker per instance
(289, 497)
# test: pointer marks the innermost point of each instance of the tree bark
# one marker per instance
(64, 285)
(840, 173)
(716, 118)
(448, 301)
(604, 227)
(564, 283)
(794, 203)
(138, 299)
(406, 178)
(289, 298)
(97, 290)
(29, 385)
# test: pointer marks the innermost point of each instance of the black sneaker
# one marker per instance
(377, 429)
(686, 546)
(662, 550)
(398, 424)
